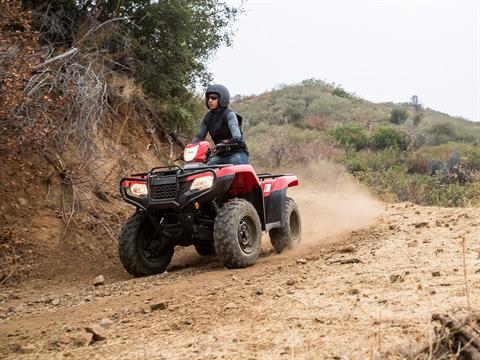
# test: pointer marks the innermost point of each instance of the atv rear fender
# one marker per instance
(274, 189)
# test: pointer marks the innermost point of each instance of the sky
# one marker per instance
(381, 50)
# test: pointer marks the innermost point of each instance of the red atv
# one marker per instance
(220, 209)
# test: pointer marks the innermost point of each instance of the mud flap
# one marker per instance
(274, 208)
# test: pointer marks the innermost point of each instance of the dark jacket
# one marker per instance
(222, 123)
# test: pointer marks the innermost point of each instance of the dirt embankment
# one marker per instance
(360, 293)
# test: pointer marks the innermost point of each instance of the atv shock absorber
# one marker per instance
(215, 206)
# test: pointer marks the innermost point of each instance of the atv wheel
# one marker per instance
(290, 233)
(205, 249)
(237, 234)
(141, 252)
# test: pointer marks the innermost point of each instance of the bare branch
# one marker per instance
(70, 52)
(95, 28)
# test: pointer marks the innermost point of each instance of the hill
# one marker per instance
(403, 152)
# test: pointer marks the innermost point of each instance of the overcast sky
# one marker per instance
(382, 50)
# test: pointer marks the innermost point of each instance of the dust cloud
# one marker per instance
(331, 203)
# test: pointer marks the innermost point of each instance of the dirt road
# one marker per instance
(359, 294)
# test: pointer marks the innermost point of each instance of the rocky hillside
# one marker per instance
(69, 132)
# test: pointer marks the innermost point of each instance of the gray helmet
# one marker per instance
(222, 91)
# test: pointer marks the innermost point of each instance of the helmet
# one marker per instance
(222, 92)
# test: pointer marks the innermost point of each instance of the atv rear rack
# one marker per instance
(264, 176)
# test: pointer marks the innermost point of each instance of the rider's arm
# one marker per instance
(202, 132)
(234, 127)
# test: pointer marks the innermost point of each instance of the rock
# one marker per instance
(97, 331)
(291, 282)
(26, 349)
(106, 323)
(301, 261)
(413, 243)
(158, 306)
(347, 249)
(421, 224)
(436, 273)
(259, 292)
(99, 280)
(67, 328)
(353, 291)
(438, 251)
(55, 302)
(230, 306)
(394, 278)
(83, 339)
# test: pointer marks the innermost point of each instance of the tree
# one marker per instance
(398, 116)
(164, 44)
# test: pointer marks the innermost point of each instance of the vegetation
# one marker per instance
(164, 45)
(403, 152)
(398, 116)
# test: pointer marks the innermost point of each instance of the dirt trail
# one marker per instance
(362, 291)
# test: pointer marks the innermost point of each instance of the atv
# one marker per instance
(220, 209)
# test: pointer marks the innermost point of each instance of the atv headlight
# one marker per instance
(190, 152)
(138, 190)
(202, 183)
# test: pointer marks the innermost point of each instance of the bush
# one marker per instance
(418, 118)
(441, 133)
(350, 136)
(340, 92)
(395, 185)
(374, 161)
(398, 116)
(385, 137)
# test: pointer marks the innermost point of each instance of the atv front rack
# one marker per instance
(175, 168)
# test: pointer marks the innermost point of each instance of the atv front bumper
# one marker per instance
(172, 189)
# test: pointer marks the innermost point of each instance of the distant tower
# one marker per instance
(415, 102)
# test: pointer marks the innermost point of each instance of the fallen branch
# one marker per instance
(458, 330)
(346, 261)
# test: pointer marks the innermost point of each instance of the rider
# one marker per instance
(223, 126)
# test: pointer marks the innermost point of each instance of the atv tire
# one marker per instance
(205, 249)
(237, 234)
(290, 234)
(141, 253)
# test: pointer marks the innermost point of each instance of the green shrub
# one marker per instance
(441, 133)
(418, 118)
(398, 116)
(350, 136)
(385, 137)
(374, 160)
(395, 185)
(339, 91)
